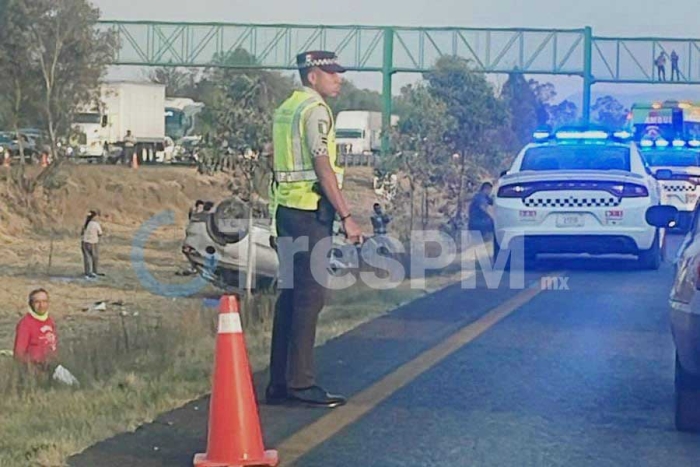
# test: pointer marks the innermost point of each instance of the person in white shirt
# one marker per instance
(91, 233)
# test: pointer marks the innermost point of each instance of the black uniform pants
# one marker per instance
(298, 307)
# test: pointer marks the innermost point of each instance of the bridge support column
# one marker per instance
(387, 72)
(588, 79)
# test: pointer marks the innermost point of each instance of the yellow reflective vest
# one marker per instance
(293, 170)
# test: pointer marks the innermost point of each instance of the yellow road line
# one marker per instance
(328, 426)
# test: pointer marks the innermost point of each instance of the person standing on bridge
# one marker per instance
(661, 66)
(674, 66)
(305, 198)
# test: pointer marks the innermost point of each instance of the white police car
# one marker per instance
(578, 190)
(676, 164)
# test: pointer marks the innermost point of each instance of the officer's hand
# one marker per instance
(352, 231)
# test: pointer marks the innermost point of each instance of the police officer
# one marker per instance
(305, 199)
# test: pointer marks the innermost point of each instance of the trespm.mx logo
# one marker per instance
(554, 283)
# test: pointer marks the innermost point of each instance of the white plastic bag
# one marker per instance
(64, 376)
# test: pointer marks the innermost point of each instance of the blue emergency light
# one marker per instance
(622, 134)
(581, 134)
(588, 134)
(662, 143)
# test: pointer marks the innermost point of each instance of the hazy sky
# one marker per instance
(607, 17)
(671, 18)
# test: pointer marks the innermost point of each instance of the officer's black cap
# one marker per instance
(326, 61)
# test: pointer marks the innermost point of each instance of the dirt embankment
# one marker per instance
(41, 247)
(126, 198)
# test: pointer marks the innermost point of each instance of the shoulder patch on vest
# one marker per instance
(323, 127)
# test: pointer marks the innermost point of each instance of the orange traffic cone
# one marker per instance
(134, 162)
(235, 436)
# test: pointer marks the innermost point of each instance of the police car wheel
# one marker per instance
(651, 258)
(687, 400)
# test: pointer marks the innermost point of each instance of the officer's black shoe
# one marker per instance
(316, 396)
(276, 395)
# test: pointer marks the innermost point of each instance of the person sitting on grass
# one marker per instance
(36, 340)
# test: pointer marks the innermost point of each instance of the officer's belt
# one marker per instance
(296, 176)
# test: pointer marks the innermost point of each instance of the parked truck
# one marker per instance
(360, 131)
(123, 106)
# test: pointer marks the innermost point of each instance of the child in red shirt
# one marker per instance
(36, 339)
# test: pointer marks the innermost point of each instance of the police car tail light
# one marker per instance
(646, 143)
(694, 143)
(630, 190)
(519, 190)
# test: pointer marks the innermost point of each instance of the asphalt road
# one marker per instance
(478, 377)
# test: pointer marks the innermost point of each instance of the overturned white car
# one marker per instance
(218, 246)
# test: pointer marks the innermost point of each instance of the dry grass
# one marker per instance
(135, 369)
(147, 354)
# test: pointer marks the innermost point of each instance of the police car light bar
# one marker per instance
(590, 134)
(541, 134)
(622, 134)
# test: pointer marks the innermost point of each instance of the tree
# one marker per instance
(353, 98)
(70, 55)
(471, 102)
(544, 92)
(555, 115)
(564, 113)
(53, 57)
(178, 83)
(525, 109)
(17, 81)
(423, 153)
(609, 112)
(239, 104)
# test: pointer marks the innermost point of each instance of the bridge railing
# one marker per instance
(391, 50)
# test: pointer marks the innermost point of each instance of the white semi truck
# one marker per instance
(124, 106)
(359, 132)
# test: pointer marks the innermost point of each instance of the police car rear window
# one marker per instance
(672, 158)
(577, 157)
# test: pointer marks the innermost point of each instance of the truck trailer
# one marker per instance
(124, 106)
